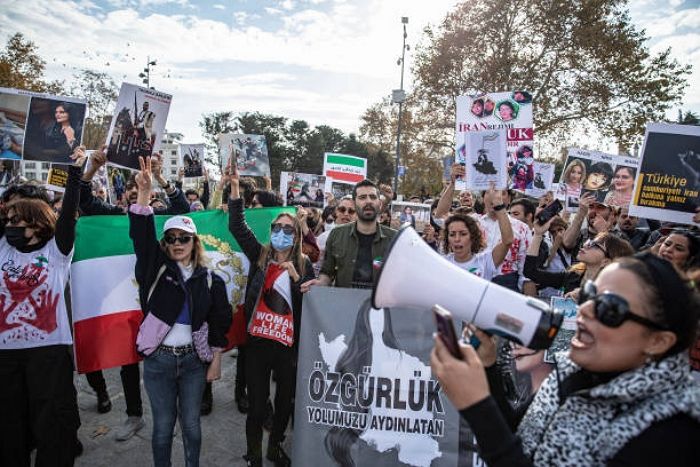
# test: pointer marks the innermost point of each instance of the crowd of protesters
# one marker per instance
(625, 392)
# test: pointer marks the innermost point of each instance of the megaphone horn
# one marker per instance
(414, 275)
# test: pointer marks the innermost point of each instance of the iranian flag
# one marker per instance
(104, 293)
(343, 168)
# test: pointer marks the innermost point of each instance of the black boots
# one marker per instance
(276, 454)
(104, 404)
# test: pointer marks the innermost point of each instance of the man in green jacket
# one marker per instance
(355, 251)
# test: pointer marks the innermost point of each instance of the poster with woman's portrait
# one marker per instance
(299, 189)
(668, 182)
(137, 126)
(192, 159)
(54, 128)
(13, 121)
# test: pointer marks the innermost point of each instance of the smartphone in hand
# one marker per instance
(446, 330)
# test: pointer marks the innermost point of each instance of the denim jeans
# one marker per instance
(172, 383)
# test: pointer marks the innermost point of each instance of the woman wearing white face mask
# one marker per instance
(273, 312)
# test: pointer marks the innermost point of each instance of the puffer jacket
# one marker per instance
(209, 306)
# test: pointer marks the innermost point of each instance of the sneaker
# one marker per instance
(129, 428)
(276, 454)
(104, 404)
(251, 461)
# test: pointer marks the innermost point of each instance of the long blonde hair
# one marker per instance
(296, 255)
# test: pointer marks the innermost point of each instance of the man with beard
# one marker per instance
(355, 251)
(628, 226)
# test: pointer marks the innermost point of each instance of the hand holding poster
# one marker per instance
(192, 159)
(250, 152)
(669, 174)
(137, 125)
(300, 189)
(40, 127)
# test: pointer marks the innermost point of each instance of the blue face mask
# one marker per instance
(281, 241)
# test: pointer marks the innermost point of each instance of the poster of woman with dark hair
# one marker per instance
(54, 129)
(389, 411)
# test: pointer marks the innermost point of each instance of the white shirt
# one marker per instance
(480, 264)
(32, 306)
(515, 258)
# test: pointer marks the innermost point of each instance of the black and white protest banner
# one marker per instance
(510, 111)
(249, 150)
(40, 127)
(192, 159)
(486, 159)
(669, 175)
(137, 126)
(300, 189)
(542, 183)
(365, 389)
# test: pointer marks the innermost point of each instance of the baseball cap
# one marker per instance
(182, 223)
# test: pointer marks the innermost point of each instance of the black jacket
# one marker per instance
(91, 205)
(210, 306)
(256, 277)
(566, 280)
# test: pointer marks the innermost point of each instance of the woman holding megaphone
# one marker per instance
(623, 395)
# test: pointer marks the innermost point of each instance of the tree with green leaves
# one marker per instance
(21, 67)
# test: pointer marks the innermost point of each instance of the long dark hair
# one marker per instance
(357, 356)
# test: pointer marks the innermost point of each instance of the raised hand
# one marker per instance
(144, 181)
(79, 156)
(458, 170)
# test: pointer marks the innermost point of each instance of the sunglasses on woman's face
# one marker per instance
(611, 309)
(286, 228)
(594, 244)
(182, 239)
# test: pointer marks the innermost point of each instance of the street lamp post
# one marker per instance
(145, 75)
(399, 97)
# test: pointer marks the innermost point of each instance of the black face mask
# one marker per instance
(15, 237)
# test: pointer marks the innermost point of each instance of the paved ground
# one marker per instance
(223, 432)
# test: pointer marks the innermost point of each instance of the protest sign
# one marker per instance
(417, 215)
(250, 152)
(58, 177)
(13, 121)
(117, 177)
(542, 183)
(107, 314)
(509, 111)
(137, 126)
(299, 189)
(192, 159)
(562, 341)
(342, 168)
(486, 159)
(607, 177)
(365, 389)
(669, 175)
(40, 127)
(338, 189)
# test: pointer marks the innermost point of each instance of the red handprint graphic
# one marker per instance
(45, 310)
(5, 313)
(22, 285)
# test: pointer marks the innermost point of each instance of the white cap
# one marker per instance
(182, 223)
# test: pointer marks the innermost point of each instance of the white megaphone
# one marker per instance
(413, 275)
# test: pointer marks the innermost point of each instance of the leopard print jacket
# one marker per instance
(592, 425)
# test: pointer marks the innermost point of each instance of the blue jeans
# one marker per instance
(172, 383)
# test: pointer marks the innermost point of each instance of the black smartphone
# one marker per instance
(446, 330)
(549, 211)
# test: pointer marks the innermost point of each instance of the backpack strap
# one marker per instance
(155, 282)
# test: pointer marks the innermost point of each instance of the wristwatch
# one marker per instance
(499, 207)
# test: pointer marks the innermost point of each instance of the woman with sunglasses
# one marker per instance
(593, 257)
(186, 317)
(37, 395)
(272, 295)
(622, 395)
